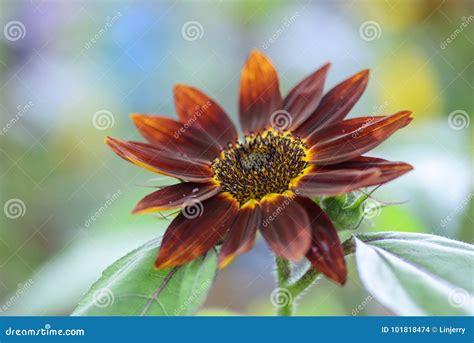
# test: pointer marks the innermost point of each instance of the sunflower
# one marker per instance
(292, 149)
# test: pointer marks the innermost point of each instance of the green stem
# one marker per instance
(304, 282)
(295, 289)
(286, 310)
(283, 275)
(283, 271)
(289, 292)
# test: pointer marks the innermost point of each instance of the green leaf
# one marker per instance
(131, 287)
(465, 231)
(417, 274)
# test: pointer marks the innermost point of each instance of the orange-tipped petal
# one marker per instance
(353, 144)
(175, 196)
(196, 230)
(303, 99)
(195, 108)
(259, 93)
(241, 236)
(336, 104)
(160, 161)
(389, 170)
(325, 253)
(285, 226)
(188, 141)
(339, 129)
(333, 182)
(354, 126)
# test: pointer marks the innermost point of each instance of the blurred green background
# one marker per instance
(71, 72)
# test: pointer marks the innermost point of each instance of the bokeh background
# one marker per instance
(71, 72)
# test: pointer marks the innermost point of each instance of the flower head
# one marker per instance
(293, 149)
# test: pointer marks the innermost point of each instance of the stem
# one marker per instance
(295, 289)
(283, 275)
(289, 292)
(304, 282)
(283, 271)
(286, 310)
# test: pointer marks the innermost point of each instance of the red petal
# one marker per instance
(303, 99)
(285, 226)
(343, 127)
(196, 108)
(190, 236)
(160, 161)
(241, 236)
(326, 253)
(357, 142)
(169, 134)
(259, 93)
(333, 182)
(388, 170)
(336, 104)
(338, 129)
(176, 196)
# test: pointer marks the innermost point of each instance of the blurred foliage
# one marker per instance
(397, 218)
(407, 84)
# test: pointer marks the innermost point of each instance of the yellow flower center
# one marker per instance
(263, 164)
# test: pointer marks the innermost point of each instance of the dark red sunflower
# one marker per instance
(294, 148)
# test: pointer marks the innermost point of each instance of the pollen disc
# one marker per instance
(264, 163)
